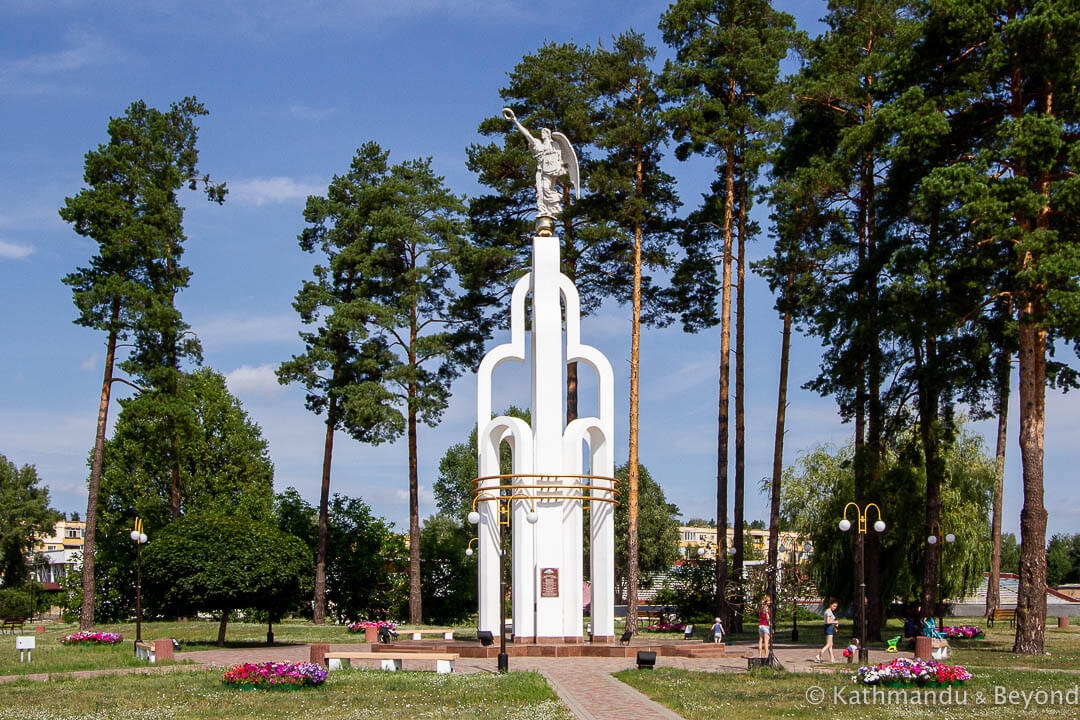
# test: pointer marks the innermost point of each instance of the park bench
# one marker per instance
(9, 624)
(444, 662)
(157, 651)
(1002, 614)
(650, 614)
(447, 633)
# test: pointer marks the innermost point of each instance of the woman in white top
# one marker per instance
(830, 630)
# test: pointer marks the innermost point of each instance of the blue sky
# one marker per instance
(293, 88)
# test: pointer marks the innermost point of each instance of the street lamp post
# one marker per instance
(504, 519)
(139, 538)
(795, 592)
(879, 526)
(932, 540)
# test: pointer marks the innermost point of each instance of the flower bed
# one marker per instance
(284, 676)
(359, 627)
(91, 638)
(902, 671)
(665, 626)
(965, 632)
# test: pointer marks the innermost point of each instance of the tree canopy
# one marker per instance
(216, 563)
(24, 514)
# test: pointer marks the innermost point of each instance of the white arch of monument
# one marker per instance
(552, 455)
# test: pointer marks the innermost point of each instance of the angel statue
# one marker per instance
(555, 157)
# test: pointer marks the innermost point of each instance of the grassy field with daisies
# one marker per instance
(346, 695)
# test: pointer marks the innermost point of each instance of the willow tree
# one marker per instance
(130, 208)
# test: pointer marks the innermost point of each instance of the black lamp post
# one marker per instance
(932, 540)
(139, 538)
(860, 544)
(474, 518)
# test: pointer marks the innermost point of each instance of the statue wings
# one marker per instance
(569, 159)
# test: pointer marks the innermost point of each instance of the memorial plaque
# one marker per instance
(25, 642)
(549, 582)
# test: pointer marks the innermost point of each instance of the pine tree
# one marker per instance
(726, 66)
(554, 88)
(131, 209)
(397, 333)
(639, 197)
(1013, 70)
(834, 159)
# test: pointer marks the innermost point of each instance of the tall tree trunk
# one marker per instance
(860, 460)
(632, 469)
(993, 589)
(722, 606)
(876, 413)
(174, 475)
(930, 433)
(221, 628)
(415, 609)
(319, 611)
(740, 398)
(86, 614)
(571, 392)
(174, 363)
(1031, 595)
(778, 452)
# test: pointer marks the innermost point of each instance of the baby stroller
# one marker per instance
(939, 644)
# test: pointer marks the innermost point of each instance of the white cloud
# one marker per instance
(263, 191)
(249, 380)
(426, 496)
(14, 251)
(234, 329)
(89, 363)
(49, 72)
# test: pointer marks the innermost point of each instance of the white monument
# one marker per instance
(541, 501)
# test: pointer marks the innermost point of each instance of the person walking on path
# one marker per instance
(764, 627)
(830, 631)
(718, 631)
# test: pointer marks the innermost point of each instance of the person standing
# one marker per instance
(830, 631)
(764, 626)
(718, 631)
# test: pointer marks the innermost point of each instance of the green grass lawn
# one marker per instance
(51, 657)
(765, 694)
(202, 634)
(199, 695)
(995, 650)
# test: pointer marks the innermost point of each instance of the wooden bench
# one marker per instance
(447, 633)
(157, 651)
(1002, 614)
(9, 624)
(650, 615)
(444, 662)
